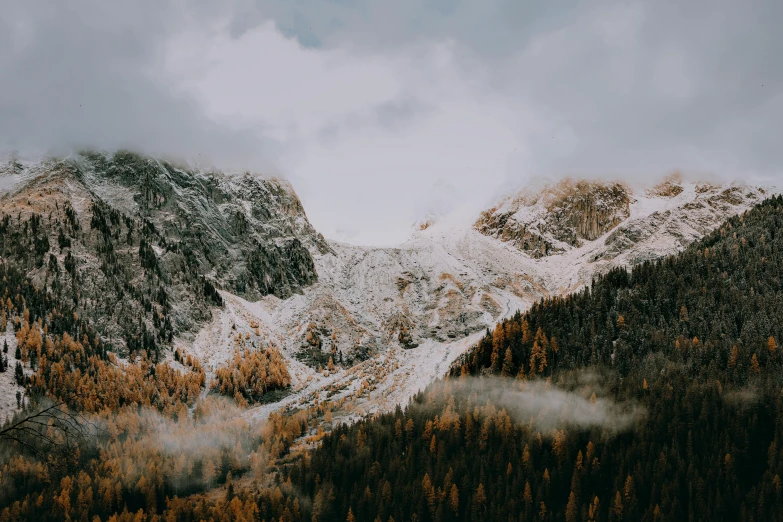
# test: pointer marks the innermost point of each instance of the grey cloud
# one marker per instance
(624, 87)
(606, 88)
(395, 115)
(491, 28)
(688, 85)
(82, 75)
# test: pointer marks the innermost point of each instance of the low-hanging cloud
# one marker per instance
(547, 407)
(742, 397)
(190, 449)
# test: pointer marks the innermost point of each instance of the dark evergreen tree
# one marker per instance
(19, 374)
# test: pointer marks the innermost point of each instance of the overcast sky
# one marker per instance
(380, 112)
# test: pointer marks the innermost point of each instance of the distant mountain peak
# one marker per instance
(570, 214)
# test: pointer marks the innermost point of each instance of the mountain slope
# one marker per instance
(127, 254)
(156, 255)
(651, 395)
(400, 316)
(558, 217)
(141, 244)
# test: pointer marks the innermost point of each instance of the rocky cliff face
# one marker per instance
(677, 214)
(571, 215)
(144, 245)
(558, 217)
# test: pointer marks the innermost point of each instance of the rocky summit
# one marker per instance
(558, 217)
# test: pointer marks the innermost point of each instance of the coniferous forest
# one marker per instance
(691, 340)
(345, 261)
(653, 394)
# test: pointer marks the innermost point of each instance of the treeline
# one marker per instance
(692, 340)
(203, 462)
(464, 459)
(150, 447)
(141, 466)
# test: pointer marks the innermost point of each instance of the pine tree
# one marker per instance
(429, 491)
(527, 496)
(525, 332)
(542, 363)
(508, 363)
(592, 512)
(19, 374)
(733, 356)
(480, 498)
(754, 364)
(498, 339)
(617, 507)
(454, 500)
(535, 355)
(229, 487)
(572, 509)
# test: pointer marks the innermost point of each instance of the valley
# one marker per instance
(444, 288)
(158, 300)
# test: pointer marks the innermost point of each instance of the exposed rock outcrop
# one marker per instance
(557, 218)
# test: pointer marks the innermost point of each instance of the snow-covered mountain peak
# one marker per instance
(558, 217)
(571, 214)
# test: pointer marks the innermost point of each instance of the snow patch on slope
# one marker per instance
(8, 386)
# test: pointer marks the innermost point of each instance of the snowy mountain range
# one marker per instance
(236, 263)
(400, 316)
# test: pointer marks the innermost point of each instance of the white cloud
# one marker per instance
(366, 137)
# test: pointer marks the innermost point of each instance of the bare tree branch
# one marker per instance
(50, 432)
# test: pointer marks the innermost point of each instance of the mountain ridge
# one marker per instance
(440, 290)
(396, 317)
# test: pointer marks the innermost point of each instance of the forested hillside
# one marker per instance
(94, 280)
(676, 365)
(139, 246)
(654, 394)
